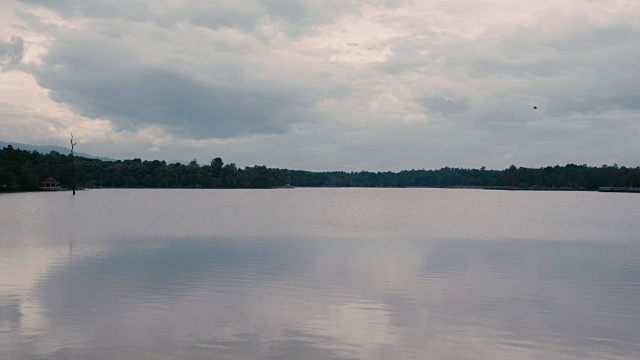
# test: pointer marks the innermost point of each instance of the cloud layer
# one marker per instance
(329, 85)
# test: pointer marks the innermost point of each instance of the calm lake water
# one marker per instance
(319, 274)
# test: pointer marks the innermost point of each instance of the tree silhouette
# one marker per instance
(74, 178)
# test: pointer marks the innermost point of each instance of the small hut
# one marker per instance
(50, 184)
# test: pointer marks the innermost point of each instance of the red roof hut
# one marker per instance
(50, 184)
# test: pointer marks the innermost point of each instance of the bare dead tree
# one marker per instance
(74, 142)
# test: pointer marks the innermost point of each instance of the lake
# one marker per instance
(319, 274)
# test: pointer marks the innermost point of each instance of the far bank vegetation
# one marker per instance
(22, 170)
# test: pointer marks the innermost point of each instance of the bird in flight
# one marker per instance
(535, 107)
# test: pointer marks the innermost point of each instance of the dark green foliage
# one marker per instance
(22, 170)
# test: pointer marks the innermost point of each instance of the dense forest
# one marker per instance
(22, 170)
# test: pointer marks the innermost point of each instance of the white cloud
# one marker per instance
(325, 85)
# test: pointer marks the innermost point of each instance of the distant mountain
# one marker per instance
(45, 149)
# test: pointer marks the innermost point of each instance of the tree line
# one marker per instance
(22, 170)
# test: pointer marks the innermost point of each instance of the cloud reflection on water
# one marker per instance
(341, 299)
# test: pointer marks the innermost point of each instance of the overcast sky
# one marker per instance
(327, 85)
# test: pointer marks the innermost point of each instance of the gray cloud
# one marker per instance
(93, 8)
(11, 53)
(102, 79)
(349, 84)
(295, 17)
